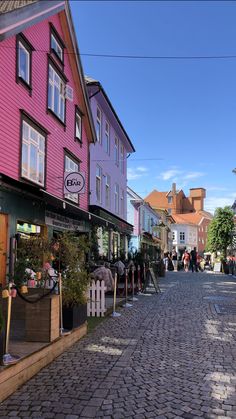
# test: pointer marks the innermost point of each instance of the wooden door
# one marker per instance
(3, 247)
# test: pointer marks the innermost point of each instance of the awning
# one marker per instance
(118, 223)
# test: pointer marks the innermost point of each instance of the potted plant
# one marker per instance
(70, 261)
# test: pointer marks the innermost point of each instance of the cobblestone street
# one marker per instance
(171, 355)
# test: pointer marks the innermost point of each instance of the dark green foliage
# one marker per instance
(70, 257)
(220, 231)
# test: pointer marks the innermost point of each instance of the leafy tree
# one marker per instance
(220, 231)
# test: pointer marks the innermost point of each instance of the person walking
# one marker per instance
(186, 260)
(175, 260)
(193, 260)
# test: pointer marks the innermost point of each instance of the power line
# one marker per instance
(163, 57)
(128, 160)
(140, 57)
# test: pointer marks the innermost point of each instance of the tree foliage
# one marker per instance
(220, 231)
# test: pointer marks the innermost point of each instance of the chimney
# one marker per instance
(173, 189)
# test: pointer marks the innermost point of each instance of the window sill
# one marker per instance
(32, 182)
(23, 83)
(49, 111)
(77, 140)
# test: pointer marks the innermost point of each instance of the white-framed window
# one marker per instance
(78, 125)
(33, 154)
(99, 125)
(107, 138)
(23, 63)
(122, 203)
(182, 237)
(71, 166)
(98, 184)
(173, 235)
(56, 93)
(56, 47)
(170, 199)
(202, 241)
(116, 198)
(116, 151)
(143, 220)
(122, 159)
(108, 191)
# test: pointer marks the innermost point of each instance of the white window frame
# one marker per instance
(122, 159)
(71, 166)
(122, 203)
(182, 236)
(55, 85)
(99, 124)
(116, 151)
(170, 199)
(116, 198)
(37, 140)
(58, 50)
(173, 235)
(27, 70)
(108, 191)
(98, 184)
(78, 125)
(107, 138)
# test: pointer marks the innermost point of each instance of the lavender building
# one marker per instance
(108, 172)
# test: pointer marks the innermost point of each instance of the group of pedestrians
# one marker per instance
(190, 260)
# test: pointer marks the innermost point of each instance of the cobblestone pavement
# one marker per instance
(169, 356)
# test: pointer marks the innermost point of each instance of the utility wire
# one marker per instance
(128, 160)
(140, 57)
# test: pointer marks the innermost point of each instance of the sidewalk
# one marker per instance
(171, 355)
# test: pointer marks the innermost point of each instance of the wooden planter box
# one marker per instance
(37, 322)
(42, 320)
(74, 316)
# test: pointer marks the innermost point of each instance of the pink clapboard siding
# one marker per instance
(15, 97)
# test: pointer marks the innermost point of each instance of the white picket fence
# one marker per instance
(96, 299)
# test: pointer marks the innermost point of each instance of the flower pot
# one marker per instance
(74, 316)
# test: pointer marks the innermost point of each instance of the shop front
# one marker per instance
(22, 213)
(113, 238)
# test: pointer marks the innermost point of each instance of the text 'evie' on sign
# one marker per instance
(74, 182)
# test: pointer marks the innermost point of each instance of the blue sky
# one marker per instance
(179, 114)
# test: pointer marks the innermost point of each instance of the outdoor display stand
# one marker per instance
(114, 313)
(126, 305)
(63, 331)
(133, 298)
(7, 358)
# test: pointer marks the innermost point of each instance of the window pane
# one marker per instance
(25, 131)
(23, 63)
(78, 126)
(41, 169)
(33, 162)
(56, 99)
(24, 166)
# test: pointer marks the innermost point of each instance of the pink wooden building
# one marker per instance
(45, 123)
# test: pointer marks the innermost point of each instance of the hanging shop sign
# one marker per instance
(66, 223)
(74, 182)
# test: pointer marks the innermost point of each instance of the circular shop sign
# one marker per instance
(74, 182)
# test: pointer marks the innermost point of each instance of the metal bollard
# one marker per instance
(63, 331)
(114, 313)
(139, 281)
(126, 305)
(133, 298)
(7, 358)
